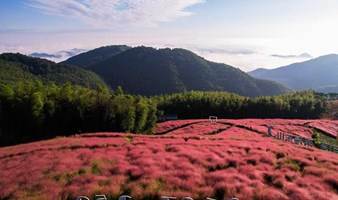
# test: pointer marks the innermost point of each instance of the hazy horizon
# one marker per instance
(248, 35)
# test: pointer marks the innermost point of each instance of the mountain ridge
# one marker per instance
(149, 71)
(318, 74)
(96, 55)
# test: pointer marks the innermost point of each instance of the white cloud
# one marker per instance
(230, 51)
(59, 55)
(303, 55)
(117, 12)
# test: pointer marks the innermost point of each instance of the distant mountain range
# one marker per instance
(139, 70)
(320, 74)
(149, 71)
(18, 67)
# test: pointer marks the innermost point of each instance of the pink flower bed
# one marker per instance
(328, 126)
(169, 125)
(236, 162)
(202, 128)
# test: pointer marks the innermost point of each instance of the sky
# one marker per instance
(247, 34)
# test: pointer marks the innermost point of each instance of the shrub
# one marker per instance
(280, 155)
(251, 161)
(332, 182)
(95, 168)
(82, 171)
(232, 164)
(316, 138)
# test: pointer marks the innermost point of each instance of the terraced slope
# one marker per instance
(186, 158)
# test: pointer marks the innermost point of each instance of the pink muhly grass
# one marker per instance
(236, 162)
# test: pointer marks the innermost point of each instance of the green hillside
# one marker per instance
(18, 67)
(149, 71)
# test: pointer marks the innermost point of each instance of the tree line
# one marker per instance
(302, 105)
(32, 110)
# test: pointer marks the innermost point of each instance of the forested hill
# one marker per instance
(18, 67)
(32, 111)
(97, 55)
(149, 71)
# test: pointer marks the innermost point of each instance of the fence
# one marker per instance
(294, 139)
(328, 147)
(304, 141)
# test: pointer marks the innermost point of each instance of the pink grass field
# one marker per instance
(231, 158)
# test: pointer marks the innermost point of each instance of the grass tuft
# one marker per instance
(95, 168)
